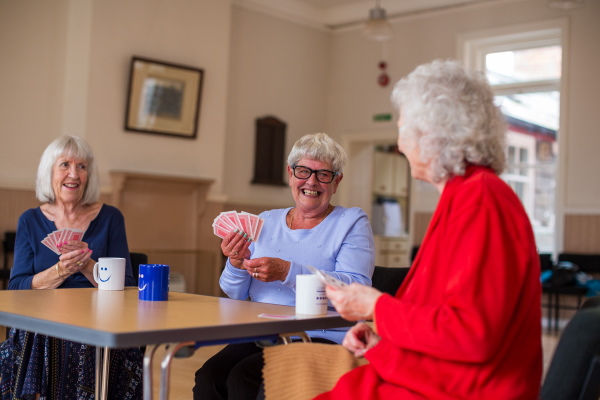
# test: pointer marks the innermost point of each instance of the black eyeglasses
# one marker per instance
(323, 175)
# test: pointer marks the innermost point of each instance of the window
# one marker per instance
(524, 67)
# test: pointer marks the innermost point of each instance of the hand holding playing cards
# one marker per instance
(229, 221)
(74, 254)
(267, 269)
(61, 237)
(354, 302)
(235, 246)
(76, 260)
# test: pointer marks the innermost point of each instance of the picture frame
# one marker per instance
(163, 98)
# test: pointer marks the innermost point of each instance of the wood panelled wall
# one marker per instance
(204, 249)
(582, 232)
(12, 204)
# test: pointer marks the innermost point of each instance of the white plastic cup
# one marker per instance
(311, 298)
(109, 273)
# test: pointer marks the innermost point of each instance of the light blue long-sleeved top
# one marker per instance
(342, 244)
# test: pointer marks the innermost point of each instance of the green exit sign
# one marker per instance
(382, 117)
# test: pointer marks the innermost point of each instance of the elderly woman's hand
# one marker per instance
(354, 302)
(267, 269)
(360, 338)
(76, 260)
(235, 247)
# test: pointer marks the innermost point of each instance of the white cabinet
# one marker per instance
(390, 192)
(391, 179)
(393, 252)
(390, 174)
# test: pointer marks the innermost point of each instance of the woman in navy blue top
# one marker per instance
(32, 364)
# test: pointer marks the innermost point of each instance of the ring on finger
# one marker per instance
(235, 253)
(79, 263)
(255, 275)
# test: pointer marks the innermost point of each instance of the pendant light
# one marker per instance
(377, 27)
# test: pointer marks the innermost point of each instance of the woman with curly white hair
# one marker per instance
(465, 323)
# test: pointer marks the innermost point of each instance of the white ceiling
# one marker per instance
(340, 13)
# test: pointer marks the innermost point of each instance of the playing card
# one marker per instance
(276, 316)
(220, 231)
(327, 279)
(64, 235)
(258, 229)
(233, 217)
(227, 221)
(48, 243)
(59, 236)
(253, 222)
(223, 226)
(76, 234)
(54, 238)
(224, 221)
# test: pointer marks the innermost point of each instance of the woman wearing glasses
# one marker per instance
(314, 233)
(465, 324)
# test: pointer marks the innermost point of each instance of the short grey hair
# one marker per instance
(450, 113)
(72, 147)
(319, 147)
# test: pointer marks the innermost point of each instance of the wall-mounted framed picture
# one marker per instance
(163, 98)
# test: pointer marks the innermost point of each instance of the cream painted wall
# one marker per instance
(32, 54)
(39, 55)
(255, 65)
(355, 97)
(277, 68)
(194, 33)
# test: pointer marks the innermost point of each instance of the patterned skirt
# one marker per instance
(57, 369)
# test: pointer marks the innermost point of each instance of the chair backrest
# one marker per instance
(136, 260)
(413, 252)
(8, 246)
(585, 262)
(546, 262)
(574, 372)
(388, 280)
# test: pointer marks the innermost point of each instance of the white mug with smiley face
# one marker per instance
(109, 273)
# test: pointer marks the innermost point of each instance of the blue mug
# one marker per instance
(153, 282)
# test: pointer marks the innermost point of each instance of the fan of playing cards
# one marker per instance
(60, 236)
(231, 220)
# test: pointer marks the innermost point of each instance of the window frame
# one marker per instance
(471, 49)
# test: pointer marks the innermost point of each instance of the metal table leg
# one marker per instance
(556, 311)
(102, 363)
(550, 305)
(148, 356)
(165, 367)
(98, 372)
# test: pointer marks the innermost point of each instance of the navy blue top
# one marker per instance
(105, 236)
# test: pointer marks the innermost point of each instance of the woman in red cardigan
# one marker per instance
(466, 322)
